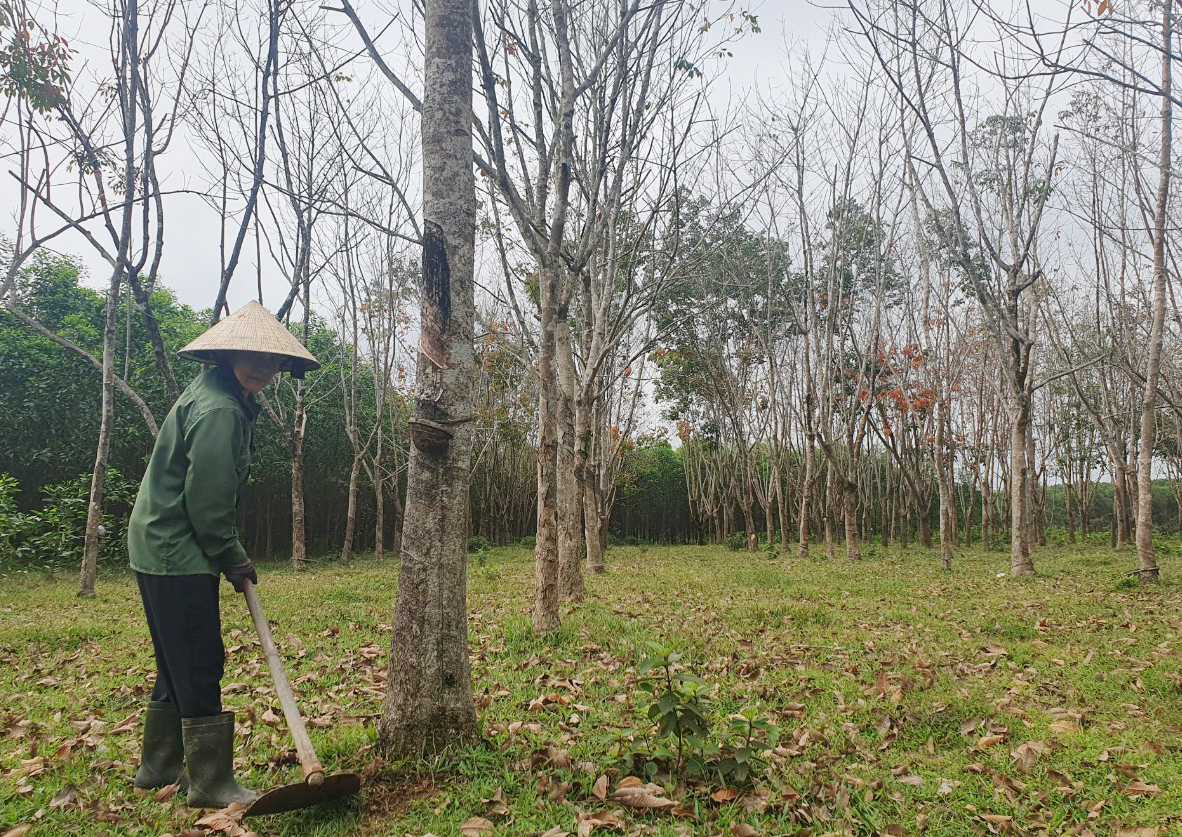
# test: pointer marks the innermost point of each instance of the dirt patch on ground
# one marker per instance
(387, 795)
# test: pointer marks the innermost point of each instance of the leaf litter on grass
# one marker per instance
(906, 699)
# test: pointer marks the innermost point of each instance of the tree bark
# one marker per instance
(849, 493)
(570, 489)
(429, 697)
(351, 511)
(378, 481)
(944, 478)
(545, 615)
(592, 489)
(806, 493)
(88, 574)
(1122, 530)
(1020, 563)
(299, 546)
(1146, 559)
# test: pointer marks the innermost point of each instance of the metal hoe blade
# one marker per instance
(304, 795)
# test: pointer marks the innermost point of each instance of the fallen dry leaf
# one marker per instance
(599, 789)
(556, 831)
(1136, 789)
(754, 803)
(724, 795)
(644, 797)
(228, 821)
(66, 796)
(590, 822)
(1064, 727)
(741, 829)
(18, 830)
(475, 826)
(997, 819)
(1027, 754)
(167, 792)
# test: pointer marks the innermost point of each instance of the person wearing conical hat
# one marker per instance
(182, 537)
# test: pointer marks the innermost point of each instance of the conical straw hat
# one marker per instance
(252, 328)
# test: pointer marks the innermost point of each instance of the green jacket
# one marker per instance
(184, 520)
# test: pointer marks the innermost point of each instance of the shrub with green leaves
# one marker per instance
(679, 705)
(51, 536)
(736, 541)
(681, 742)
(479, 543)
(10, 518)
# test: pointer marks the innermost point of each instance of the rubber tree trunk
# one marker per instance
(351, 511)
(944, 479)
(545, 614)
(592, 492)
(1121, 530)
(379, 501)
(1020, 563)
(782, 511)
(748, 522)
(129, 79)
(399, 516)
(299, 543)
(849, 493)
(429, 694)
(829, 511)
(88, 573)
(806, 493)
(1146, 559)
(570, 489)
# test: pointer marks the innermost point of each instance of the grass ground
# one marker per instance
(901, 700)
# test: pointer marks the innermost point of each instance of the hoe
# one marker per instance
(316, 789)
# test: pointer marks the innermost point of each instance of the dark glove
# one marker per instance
(239, 573)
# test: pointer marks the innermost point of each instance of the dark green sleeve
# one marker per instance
(213, 441)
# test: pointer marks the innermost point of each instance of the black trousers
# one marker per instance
(186, 628)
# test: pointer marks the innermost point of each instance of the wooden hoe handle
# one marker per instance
(313, 772)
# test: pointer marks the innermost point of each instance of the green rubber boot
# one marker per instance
(209, 754)
(162, 759)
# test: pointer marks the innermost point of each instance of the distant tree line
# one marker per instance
(49, 420)
(49, 416)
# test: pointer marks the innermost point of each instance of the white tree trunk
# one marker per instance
(1146, 559)
(545, 615)
(94, 507)
(1020, 563)
(570, 491)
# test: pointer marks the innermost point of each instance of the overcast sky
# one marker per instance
(190, 264)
